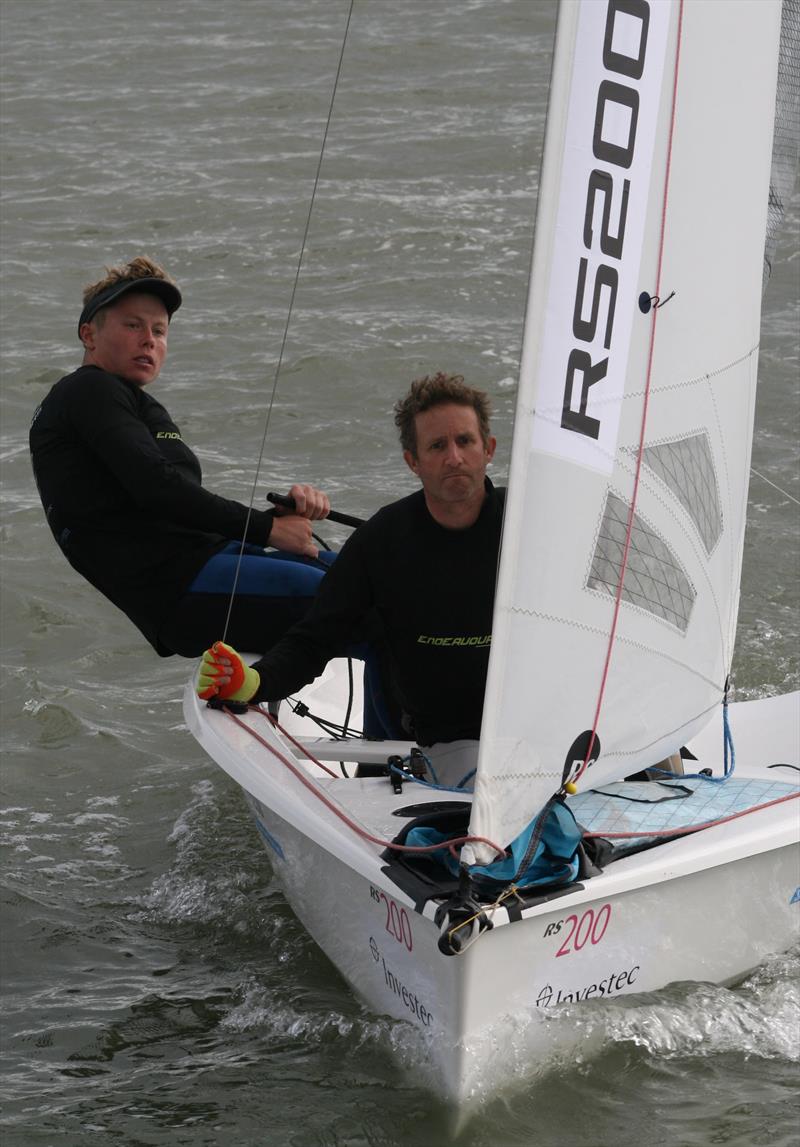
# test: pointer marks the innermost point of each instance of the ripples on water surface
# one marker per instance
(157, 988)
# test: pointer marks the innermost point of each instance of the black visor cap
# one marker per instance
(168, 293)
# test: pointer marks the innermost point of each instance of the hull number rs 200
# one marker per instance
(397, 923)
(589, 928)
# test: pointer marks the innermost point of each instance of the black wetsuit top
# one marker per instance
(433, 590)
(123, 495)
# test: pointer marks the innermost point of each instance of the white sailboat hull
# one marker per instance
(708, 907)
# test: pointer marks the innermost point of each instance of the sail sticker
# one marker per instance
(686, 466)
(654, 578)
(583, 751)
(796, 898)
(604, 187)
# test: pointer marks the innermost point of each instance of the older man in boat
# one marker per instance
(123, 495)
(426, 566)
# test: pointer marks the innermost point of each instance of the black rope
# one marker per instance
(684, 792)
(334, 729)
(536, 836)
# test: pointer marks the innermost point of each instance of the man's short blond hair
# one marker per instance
(117, 281)
(141, 267)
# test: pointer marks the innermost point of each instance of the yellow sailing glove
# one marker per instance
(220, 660)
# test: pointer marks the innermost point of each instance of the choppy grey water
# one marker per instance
(157, 989)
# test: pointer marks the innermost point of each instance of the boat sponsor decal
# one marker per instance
(270, 839)
(258, 811)
(603, 197)
(397, 924)
(395, 984)
(796, 898)
(478, 642)
(615, 982)
(588, 928)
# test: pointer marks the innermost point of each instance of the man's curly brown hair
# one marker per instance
(434, 391)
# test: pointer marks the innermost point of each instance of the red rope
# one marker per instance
(274, 722)
(461, 840)
(337, 811)
(645, 405)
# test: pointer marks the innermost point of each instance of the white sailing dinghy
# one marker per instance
(616, 602)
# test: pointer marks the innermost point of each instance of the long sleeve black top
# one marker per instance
(433, 589)
(123, 496)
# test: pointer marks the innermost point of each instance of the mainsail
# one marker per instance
(636, 399)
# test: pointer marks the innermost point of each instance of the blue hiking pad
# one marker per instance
(655, 806)
(254, 571)
(553, 859)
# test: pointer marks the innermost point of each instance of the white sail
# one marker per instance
(655, 180)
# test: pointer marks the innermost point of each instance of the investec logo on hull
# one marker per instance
(609, 985)
(603, 193)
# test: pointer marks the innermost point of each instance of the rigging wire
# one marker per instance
(288, 321)
(775, 486)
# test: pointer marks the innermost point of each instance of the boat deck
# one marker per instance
(642, 808)
(647, 807)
